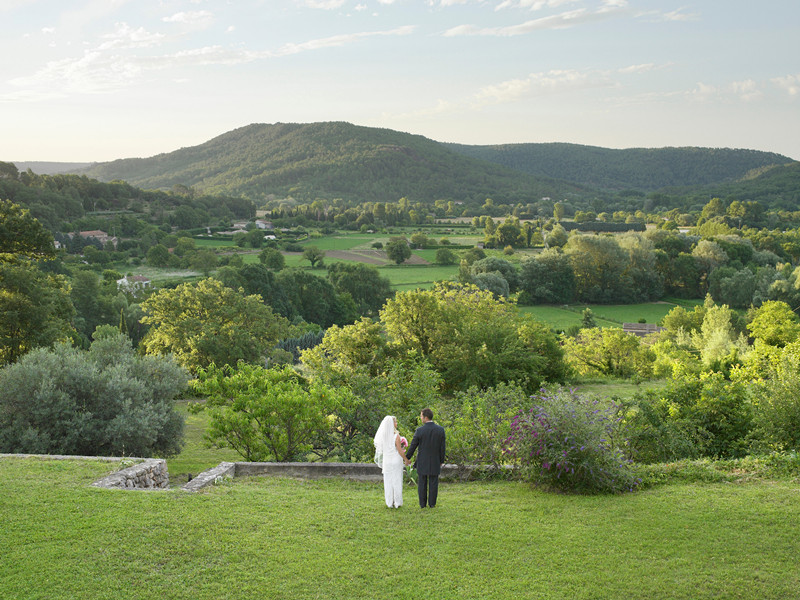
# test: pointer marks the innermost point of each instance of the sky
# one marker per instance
(98, 80)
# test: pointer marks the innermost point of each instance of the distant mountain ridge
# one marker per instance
(643, 169)
(332, 160)
(41, 167)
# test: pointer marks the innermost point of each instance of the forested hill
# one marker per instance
(643, 169)
(331, 160)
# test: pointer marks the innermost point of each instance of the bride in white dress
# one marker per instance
(389, 456)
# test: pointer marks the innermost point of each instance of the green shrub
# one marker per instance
(776, 403)
(566, 442)
(105, 401)
(266, 414)
(478, 422)
(705, 416)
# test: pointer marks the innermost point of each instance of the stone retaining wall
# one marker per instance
(150, 474)
(354, 471)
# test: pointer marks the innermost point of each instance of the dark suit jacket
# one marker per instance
(430, 439)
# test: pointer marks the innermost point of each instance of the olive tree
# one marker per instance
(105, 401)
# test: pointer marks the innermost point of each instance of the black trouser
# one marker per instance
(428, 489)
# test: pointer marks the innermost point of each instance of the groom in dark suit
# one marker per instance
(430, 439)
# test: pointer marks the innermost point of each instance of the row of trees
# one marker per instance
(636, 267)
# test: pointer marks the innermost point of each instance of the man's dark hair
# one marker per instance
(427, 413)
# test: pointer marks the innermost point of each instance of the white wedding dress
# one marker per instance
(391, 462)
(393, 478)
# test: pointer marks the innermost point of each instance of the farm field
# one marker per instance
(560, 318)
(285, 538)
(652, 312)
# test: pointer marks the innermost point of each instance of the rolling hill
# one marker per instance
(331, 160)
(643, 169)
(339, 160)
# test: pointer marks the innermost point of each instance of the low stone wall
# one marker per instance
(353, 471)
(221, 471)
(149, 474)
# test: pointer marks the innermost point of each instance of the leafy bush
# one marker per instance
(566, 442)
(265, 414)
(478, 422)
(776, 465)
(703, 416)
(776, 402)
(105, 401)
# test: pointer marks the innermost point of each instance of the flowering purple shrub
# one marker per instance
(566, 442)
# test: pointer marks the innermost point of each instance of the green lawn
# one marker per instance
(343, 241)
(414, 276)
(561, 318)
(283, 538)
(652, 312)
(195, 456)
(214, 243)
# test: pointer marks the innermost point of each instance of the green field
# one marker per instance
(605, 315)
(285, 538)
(652, 312)
(561, 318)
(403, 276)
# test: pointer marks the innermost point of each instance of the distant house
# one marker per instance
(261, 224)
(240, 225)
(100, 236)
(641, 329)
(133, 283)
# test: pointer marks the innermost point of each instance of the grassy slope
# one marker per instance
(273, 538)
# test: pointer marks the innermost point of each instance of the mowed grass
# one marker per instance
(651, 312)
(196, 456)
(417, 276)
(560, 318)
(283, 538)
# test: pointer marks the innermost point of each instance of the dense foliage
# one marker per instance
(329, 160)
(107, 401)
(567, 441)
(206, 323)
(266, 414)
(645, 169)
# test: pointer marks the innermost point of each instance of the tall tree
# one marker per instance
(35, 309)
(21, 235)
(470, 337)
(364, 284)
(207, 323)
(397, 250)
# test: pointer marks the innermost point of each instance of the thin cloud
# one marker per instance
(657, 16)
(561, 20)
(549, 82)
(324, 4)
(533, 4)
(336, 40)
(124, 36)
(107, 68)
(643, 68)
(195, 17)
(746, 90)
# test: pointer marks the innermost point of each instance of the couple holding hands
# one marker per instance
(392, 457)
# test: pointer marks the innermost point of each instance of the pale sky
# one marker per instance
(97, 80)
